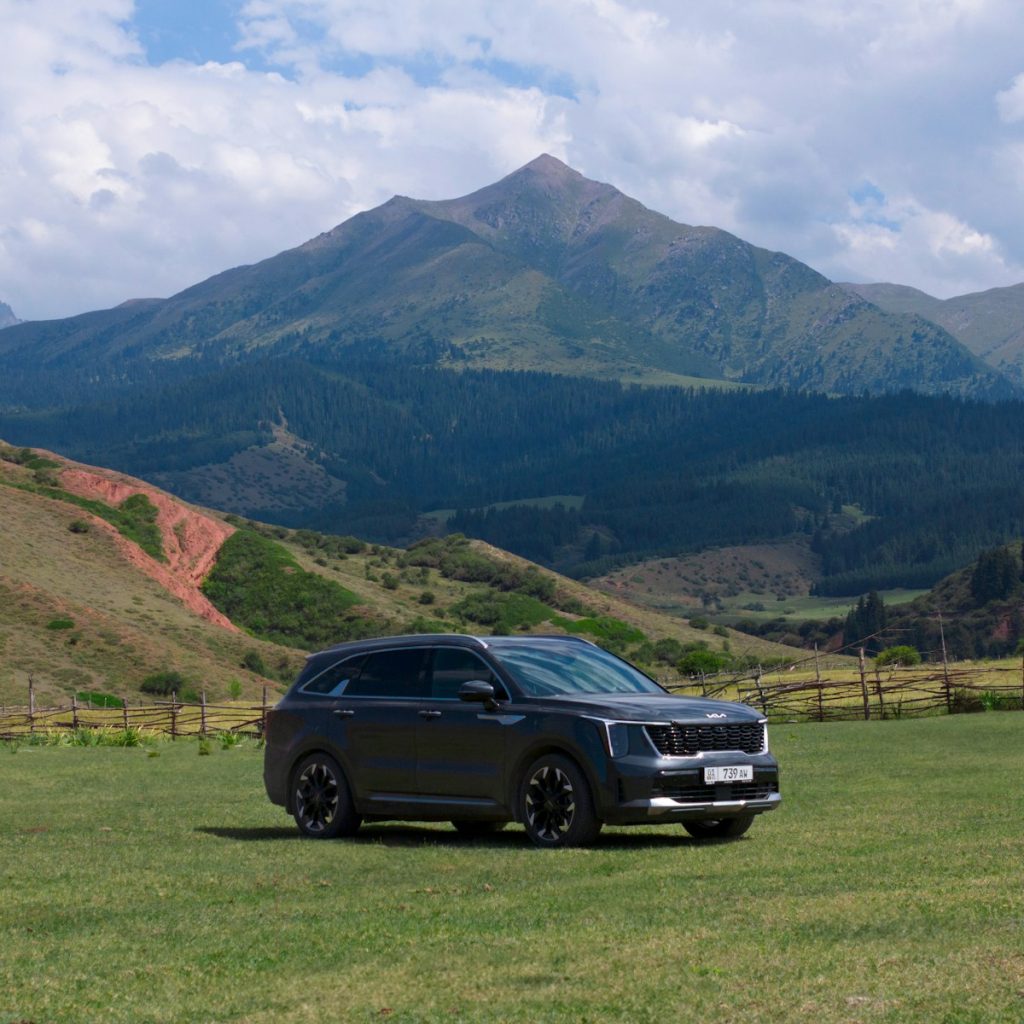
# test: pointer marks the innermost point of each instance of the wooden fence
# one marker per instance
(172, 718)
(864, 694)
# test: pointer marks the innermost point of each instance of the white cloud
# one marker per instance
(761, 116)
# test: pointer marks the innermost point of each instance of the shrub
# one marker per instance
(163, 683)
(699, 622)
(901, 655)
(60, 624)
(427, 597)
(254, 663)
(389, 581)
(702, 662)
(78, 526)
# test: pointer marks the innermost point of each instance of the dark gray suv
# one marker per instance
(552, 732)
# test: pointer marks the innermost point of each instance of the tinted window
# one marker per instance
(452, 668)
(553, 668)
(390, 674)
(335, 680)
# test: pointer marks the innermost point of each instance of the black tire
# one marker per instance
(555, 804)
(720, 828)
(466, 827)
(321, 801)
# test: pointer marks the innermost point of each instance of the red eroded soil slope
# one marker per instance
(191, 540)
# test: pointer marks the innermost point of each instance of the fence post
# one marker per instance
(31, 706)
(263, 713)
(74, 711)
(945, 668)
(878, 687)
(124, 713)
(202, 716)
(760, 692)
(821, 701)
(817, 666)
(174, 714)
(864, 685)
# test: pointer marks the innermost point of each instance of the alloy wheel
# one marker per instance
(316, 798)
(550, 803)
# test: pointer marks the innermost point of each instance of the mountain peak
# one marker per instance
(550, 166)
(7, 317)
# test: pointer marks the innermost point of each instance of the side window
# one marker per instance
(334, 681)
(453, 667)
(390, 674)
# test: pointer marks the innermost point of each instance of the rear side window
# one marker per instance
(390, 674)
(335, 680)
(452, 668)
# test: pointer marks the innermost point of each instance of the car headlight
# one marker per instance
(765, 724)
(616, 738)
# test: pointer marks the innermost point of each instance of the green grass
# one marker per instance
(886, 889)
(134, 518)
(800, 609)
(258, 584)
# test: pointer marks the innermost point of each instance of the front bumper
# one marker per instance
(651, 790)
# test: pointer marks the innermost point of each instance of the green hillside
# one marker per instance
(989, 323)
(370, 447)
(83, 609)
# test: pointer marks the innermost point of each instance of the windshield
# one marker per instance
(551, 668)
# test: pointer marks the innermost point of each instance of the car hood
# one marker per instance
(655, 707)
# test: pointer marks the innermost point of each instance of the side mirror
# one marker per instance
(476, 691)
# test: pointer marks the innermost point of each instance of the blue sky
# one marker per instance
(189, 30)
(148, 145)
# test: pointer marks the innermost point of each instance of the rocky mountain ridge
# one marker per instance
(543, 269)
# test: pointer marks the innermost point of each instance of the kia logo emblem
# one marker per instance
(715, 714)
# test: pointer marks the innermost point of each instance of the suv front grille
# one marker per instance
(700, 794)
(687, 740)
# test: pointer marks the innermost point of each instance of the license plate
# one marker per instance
(729, 773)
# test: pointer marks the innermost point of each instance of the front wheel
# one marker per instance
(321, 801)
(720, 828)
(555, 804)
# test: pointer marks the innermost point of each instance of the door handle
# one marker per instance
(344, 712)
(430, 714)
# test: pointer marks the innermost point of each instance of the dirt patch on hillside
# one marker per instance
(191, 540)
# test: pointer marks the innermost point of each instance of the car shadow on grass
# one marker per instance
(412, 835)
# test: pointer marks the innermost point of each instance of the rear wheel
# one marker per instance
(321, 801)
(720, 828)
(467, 827)
(555, 804)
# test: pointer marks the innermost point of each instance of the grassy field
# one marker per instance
(888, 888)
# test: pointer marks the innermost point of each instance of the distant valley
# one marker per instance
(548, 336)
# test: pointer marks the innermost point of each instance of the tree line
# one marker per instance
(659, 470)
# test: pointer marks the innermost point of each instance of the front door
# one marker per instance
(460, 747)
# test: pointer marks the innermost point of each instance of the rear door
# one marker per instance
(378, 713)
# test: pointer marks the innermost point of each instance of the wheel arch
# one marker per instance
(538, 750)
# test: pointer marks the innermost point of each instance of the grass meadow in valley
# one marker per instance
(149, 884)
